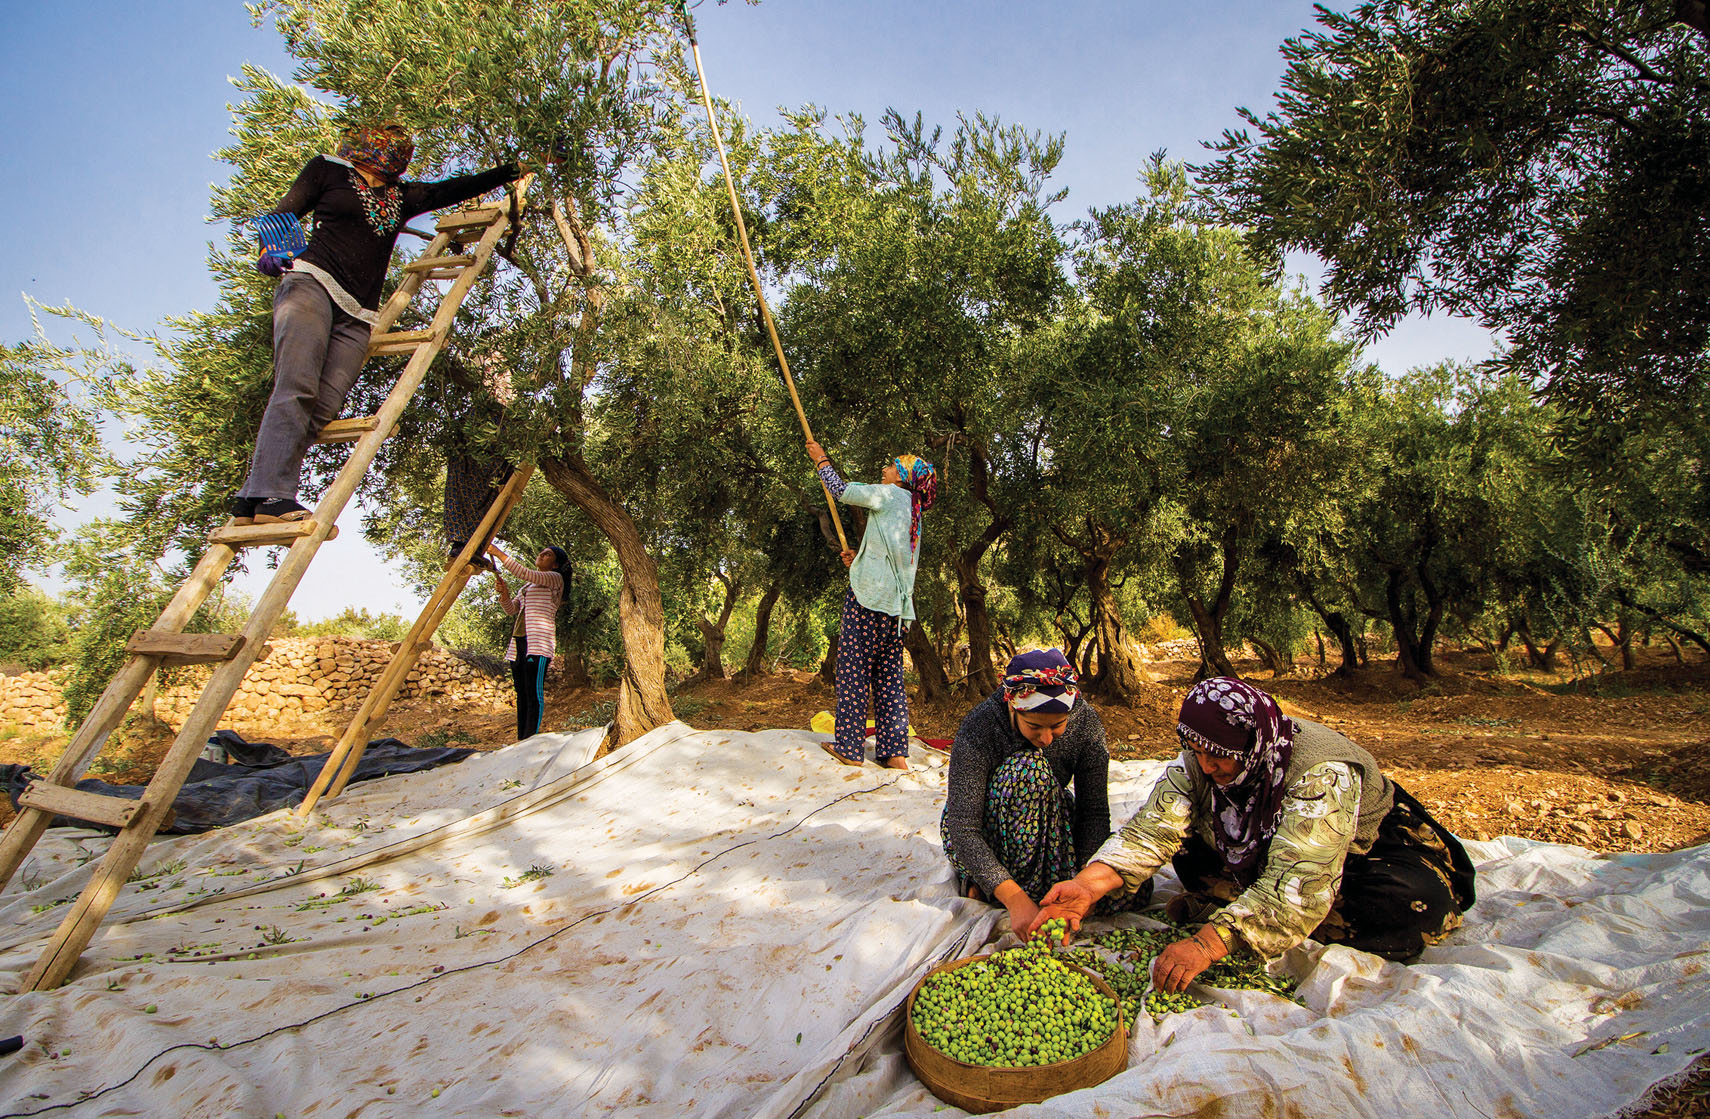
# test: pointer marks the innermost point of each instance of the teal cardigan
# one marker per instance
(882, 575)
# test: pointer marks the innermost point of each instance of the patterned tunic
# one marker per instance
(984, 742)
(1322, 821)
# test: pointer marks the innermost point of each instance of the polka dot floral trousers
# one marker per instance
(1027, 824)
(870, 667)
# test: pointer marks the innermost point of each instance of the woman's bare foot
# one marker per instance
(830, 749)
(898, 762)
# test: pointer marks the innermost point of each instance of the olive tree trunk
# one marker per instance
(928, 665)
(1121, 677)
(713, 632)
(642, 703)
(755, 666)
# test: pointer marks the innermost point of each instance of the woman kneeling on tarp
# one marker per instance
(1280, 829)
(1011, 827)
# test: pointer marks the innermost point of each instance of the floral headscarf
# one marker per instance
(1231, 719)
(1042, 682)
(384, 149)
(921, 481)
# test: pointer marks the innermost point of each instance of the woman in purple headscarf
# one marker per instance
(1011, 826)
(1279, 829)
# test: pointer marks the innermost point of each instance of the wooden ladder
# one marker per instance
(166, 644)
(341, 766)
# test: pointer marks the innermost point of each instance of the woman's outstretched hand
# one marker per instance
(815, 453)
(1180, 963)
(1023, 917)
(1069, 900)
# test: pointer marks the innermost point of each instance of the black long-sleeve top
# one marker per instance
(985, 738)
(344, 244)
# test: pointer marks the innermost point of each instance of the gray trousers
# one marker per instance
(318, 350)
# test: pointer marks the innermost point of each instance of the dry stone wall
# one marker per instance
(299, 675)
(32, 699)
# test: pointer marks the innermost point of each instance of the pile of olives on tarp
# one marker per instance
(1125, 963)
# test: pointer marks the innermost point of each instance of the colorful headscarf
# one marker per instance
(1231, 719)
(384, 149)
(1042, 682)
(921, 481)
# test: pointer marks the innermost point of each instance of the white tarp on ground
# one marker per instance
(720, 923)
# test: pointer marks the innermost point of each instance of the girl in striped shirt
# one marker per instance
(534, 637)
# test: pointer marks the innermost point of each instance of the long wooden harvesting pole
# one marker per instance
(748, 259)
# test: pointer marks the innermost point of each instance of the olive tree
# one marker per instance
(582, 89)
(50, 446)
(1538, 165)
(918, 269)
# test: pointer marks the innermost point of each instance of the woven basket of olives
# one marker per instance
(990, 1032)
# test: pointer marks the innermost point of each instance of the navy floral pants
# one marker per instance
(870, 666)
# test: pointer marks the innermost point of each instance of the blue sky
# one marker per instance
(112, 110)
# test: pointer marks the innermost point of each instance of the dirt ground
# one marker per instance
(1613, 762)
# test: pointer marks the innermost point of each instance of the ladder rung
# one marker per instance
(469, 219)
(112, 812)
(185, 648)
(399, 341)
(259, 536)
(348, 431)
(452, 264)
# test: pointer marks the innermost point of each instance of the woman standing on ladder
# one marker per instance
(878, 605)
(329, 298)
(534, 637)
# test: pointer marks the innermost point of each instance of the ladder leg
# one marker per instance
(133, 675)
(440, 604)
(109, 710)
(347, 754)
(22, 835)
(388, 691)
(91, 907)
(127, 849)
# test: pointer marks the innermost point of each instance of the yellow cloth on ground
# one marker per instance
(826, 723)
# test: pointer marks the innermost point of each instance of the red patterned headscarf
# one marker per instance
(1041, 682)
(384, 149)
(921, 480)
(1229, 718)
